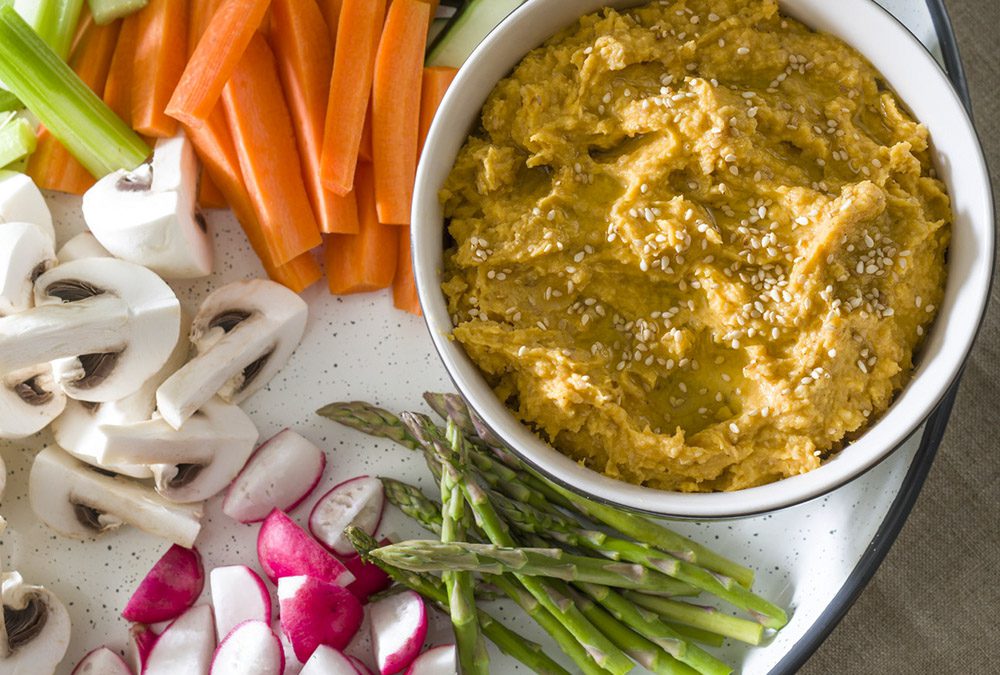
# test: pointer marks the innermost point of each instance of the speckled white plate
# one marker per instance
(813, 558)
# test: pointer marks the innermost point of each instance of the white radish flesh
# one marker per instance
(315, 613)
(286, 550)
(399, 627)
(360, 666)
(280, 475)
(185, 646)
(141, 639)
(438, 660)
(328, 661)
(172, 586)
(238, 595)
(357, 502)
(102, 661)
(251, 648)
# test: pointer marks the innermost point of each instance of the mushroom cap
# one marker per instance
(22, 202)
(149, 216)
(25, 253)
(29, 401)
(80, 501)
(150, 335)
(31, 646)
(83, 245)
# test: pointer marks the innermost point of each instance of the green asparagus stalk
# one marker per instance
(567, 531)
(371, 420)
(692, 634)
(472, 655)
(652, 628)
(705, 618)
(432, 588)
(414, 503)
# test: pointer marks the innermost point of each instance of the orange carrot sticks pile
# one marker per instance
(160, 53)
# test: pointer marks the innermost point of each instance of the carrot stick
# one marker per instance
(302, 46)
(215, 59)
(265, 144)
(52, 166)
(436, 81)
(160, 52)
(350, 87)
(404, 286)
(202, 12)
(214, 145)
(209, 195)
(365, 151)
(366, 261)
(331, 15)
(396, 107)
(118, 84)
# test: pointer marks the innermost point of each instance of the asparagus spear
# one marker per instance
(567, 531)
(432, 588)
(369, 419)
(472, 656)
(706, 618)
(413, 502)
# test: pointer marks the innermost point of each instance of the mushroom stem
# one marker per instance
(91, 326)
(188, 389)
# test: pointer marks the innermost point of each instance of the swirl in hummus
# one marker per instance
(696, 244)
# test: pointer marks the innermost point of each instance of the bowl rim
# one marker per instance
(557, 467)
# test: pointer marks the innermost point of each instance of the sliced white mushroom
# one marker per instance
(149, 216)
(34, 628)
(25, 254)
(22, 202)
(83, 429)
(244, 333)
(83, 245)
(29, 401)
(107, 326)
(193, 463)
(81, 501)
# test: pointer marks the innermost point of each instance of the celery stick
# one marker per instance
(8, 101)
(106, 11)
(17, 139)
(56, 22)
(63, 103)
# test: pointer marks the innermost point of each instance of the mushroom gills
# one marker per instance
(34, 628)
(25, 254)
(26, 623)
(29, 401)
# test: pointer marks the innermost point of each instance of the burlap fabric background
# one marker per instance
(933, 607)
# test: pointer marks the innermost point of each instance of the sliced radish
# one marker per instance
(280, 475)
(357, 502)
(360, 666)
(292, 665)
(328, 661)
(399, 627)
(172, 586)
(251, 648)
(141, 639)
(185, 646)
(102, 661)
(238, 595)
(369, 578)
(438, 660)
(286, 550)
(315, 612)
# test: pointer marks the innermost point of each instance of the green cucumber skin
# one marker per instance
(474, 21)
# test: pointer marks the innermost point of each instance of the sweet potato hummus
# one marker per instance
(696, 243)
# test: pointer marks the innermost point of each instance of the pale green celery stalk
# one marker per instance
(71, 112)
(8, 101)
(56, 21)
(106, 11)
(17, 139)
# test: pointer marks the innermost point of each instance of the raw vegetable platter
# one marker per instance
(811, 559)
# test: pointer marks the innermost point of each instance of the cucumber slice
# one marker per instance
(472, 24)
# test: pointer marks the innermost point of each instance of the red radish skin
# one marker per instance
(314, 613)
(360, 666)
(286, 550)
(369, 579)
(358, 501)
(251, 648)
(282, 472)
(328, 661)
(292, 664)
(141, 639)
(172, 586)
(238, 595)
(185, 646)
(438, 660)
(102, 661)
(399, 628)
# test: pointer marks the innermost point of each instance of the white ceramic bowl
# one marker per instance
(920, 83)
